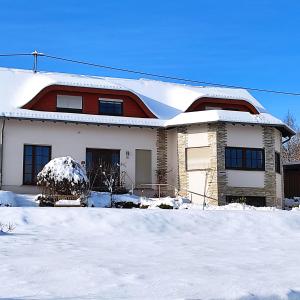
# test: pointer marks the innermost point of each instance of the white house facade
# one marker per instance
(213, 144)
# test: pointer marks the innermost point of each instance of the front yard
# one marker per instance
(88, 253)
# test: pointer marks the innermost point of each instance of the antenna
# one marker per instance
(35, 54)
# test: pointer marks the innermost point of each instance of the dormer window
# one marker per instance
(111, 107)
(67, 103)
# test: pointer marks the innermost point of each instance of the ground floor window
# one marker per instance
(249, 200)
(35, 158)
(245, 159)
(99, 161)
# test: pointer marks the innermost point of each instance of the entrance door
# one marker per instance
(99, 161)
(143, 166)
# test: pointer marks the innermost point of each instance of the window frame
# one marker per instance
(186, 159)
(277, 162)
(69, 110)
(33, 163)
(244, 159)
(111, 101)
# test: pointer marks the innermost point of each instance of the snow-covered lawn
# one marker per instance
(99, 253)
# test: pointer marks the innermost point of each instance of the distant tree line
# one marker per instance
(291, 149)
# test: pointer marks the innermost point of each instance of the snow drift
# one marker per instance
(150, 254)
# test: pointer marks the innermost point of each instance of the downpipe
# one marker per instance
(1, 156)
(287, 140)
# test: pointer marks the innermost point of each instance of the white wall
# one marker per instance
(197, 137)
(236, 178)
(72, 139)
(244, 136)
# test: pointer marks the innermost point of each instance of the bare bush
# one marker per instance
(291, 149)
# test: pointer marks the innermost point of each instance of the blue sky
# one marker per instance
(249, 43)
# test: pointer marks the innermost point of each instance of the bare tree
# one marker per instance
(291, 149)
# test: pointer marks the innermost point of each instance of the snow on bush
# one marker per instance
(166, 203)
(7, 199)
(126, 201)
(63, 176)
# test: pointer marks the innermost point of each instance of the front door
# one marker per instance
(99, 161)
(143, 166)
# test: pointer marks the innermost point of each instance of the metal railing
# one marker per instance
(176, 191)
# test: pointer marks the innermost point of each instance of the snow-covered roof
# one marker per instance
(168, 101)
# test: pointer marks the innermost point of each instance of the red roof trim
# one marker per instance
(241, 105)
(67, 88)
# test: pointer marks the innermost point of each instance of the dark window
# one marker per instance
(35, 158)
(244, 158)
(111, 108)
(277, 162)
(249, 200)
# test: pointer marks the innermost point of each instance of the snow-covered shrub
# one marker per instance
(63, 176)
(126, 204)
(45, 200)
(126, 201)
(6, 228)
(165, 206)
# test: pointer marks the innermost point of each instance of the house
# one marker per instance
(291, 172)
(218, 143)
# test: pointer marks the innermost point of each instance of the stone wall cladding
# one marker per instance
(270, 174)
(182, 143)
(162, 159)
(212, 175)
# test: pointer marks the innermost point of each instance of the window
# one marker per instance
(197, 158)
(249, 200)
(111, 107)
(245, 158)
(67, 103)
(277, 162)
(35, 158)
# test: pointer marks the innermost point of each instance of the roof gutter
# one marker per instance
(1, 152)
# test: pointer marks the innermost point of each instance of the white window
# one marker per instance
(69, 103)
(197, 158)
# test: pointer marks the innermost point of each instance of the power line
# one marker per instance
(36, 54)
(15, 54)
(170, 77)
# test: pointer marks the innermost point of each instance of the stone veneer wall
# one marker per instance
(270, 174)
(162, 159)
(212, 179)
(223, 190)
(182, 143)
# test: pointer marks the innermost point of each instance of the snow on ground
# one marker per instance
(7, 199)
(88, 253)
